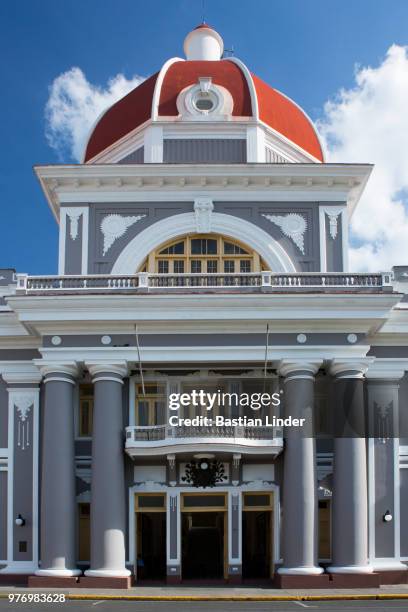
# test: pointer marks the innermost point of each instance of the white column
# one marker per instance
(153, 145)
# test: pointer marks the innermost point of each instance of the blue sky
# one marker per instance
(307, 49)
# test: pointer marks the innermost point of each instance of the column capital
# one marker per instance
(349, 368)
(391, 370)
(298, 368)
(20, 372)
(66, 371)
(107, 370)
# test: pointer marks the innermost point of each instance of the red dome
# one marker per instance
(274, 109)
(284, 116)
(182, 74)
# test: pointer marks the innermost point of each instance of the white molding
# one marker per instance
(322, 239)
(134, 253)
(250, 82)
(73, 213)
(158, 86)
(255, 138)
(153, 144)
(85, 240)
(14, 372)
(329, 182)
(333, 212)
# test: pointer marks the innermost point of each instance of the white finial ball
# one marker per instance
(203, 43)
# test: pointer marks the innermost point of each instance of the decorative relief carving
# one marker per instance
(23, 402)
(292, 225)
(383, 422)
(333, 216)
(115, 226)
(73, 216)
(203, 209)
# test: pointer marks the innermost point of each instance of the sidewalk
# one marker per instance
(165, 593)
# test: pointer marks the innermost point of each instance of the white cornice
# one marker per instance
(387, 369)
(24, 372)
(180, 354)
(121, 182)
(345, 313)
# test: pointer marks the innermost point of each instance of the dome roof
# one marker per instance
(156, 98)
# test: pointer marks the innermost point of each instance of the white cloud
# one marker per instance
(369, 123)
(73, 106)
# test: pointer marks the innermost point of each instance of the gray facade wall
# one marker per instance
(136, 157)
(3, 515)
(384, 497)
(204, 150)
(309, 261)
(404, 511)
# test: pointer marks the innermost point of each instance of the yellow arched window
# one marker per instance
(203, 254)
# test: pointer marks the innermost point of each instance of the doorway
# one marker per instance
(257, 536)
(151, 537)
(204, 539)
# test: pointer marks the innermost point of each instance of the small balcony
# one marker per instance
(256, 282)
(142, 440)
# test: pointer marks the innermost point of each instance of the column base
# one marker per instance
(355, 581)
(52, 582)
(350, 569)
(19, 567)
(58, 573)
(301, 571)
(107, 573)
(302, 581)
(105, 582)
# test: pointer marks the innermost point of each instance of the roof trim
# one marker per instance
(158, 86)
(251, 85)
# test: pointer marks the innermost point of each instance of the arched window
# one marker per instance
(203, 254)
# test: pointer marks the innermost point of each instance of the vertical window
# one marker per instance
(229, 266)
(163, 266)
(85, 410)
(245, 266)
(212, 266)
(178, 266)
(195, 266)
(150, 407)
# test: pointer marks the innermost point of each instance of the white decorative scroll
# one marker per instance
(114, 226)
(23, 402)
(333, 222)
(203, 209)
(73, 216)
(292, 225)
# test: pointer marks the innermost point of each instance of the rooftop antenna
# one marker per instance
(229, 52)
(203, 11)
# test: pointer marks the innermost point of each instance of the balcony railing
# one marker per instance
(251, 282)
(138, 436)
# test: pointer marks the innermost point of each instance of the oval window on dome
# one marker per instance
(204, 104)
